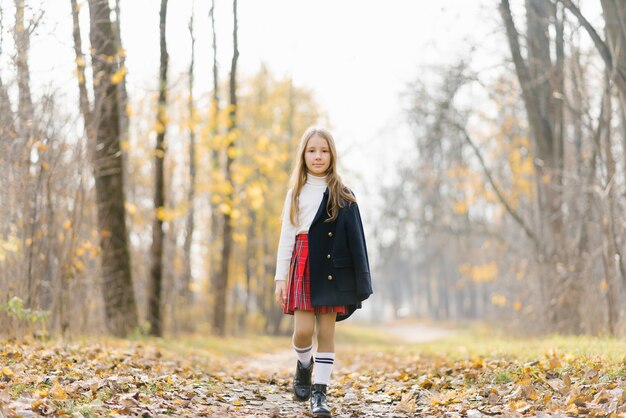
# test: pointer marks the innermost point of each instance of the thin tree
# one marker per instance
(156, 251)
(215, 154)
(185, 292)
(119, 296)
(220, 307)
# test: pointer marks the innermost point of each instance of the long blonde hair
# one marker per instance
(338, 195)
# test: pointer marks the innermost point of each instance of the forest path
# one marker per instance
(350, 392)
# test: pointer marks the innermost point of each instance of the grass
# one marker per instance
(482, 343)
(471, 342)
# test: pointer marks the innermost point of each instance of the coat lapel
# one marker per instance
(321, 208)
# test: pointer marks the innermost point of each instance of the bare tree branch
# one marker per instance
(518, 219)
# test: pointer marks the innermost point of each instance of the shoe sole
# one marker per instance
(296, 398)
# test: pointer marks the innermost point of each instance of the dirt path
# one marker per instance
(350, 393)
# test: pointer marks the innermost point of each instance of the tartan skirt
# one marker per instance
(299, 282)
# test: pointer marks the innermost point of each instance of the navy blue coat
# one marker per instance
(338, 261)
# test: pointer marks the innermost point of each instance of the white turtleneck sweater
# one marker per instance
(311, 197)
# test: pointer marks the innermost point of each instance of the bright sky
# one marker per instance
(355, 55)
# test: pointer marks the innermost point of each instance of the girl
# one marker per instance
(322, 257)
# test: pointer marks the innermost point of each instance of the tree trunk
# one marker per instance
(215, 244)
(119, 295)
(185, 294)
(156, 251)
(541, 83)
(614, 12)
(221, 288)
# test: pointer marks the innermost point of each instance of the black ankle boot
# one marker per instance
(319, 407)
(302, 381)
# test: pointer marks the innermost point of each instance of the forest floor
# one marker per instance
(401, 369)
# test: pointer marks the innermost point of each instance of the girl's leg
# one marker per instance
(303, 328)
(324, 359)
(325, 356)
(303, 344)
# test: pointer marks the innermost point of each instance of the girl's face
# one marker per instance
(317, 156)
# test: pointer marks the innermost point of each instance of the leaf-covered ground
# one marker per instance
(376, 374)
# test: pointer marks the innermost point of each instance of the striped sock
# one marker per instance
(304, 354)
(323, 367)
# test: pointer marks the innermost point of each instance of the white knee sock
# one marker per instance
(323, 367)
(304, 354)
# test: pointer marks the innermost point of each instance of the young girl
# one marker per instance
(322, 257)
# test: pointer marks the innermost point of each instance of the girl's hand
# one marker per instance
(279, 293)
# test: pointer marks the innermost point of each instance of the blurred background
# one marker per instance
(145, 150)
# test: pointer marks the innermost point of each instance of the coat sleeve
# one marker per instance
(358, 252)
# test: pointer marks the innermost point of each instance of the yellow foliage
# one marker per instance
(225, 208)
(124, 145)
(460, 208)
(499, 300)
(240, 238)
(480, 274)
(159, 128)
(262, 143)
(11, 245)
(130, 208)
(169, 214)
(118, 76)
(255, 195)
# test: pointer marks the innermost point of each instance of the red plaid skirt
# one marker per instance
(299, 282)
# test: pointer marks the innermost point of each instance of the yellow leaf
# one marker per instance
(165, 215)
(460, 208)
(498, 300)
(57, 392)
(7, 372)
(67, 224)
(118, 76)
(80, 61)
(225, 208)
(130, 208)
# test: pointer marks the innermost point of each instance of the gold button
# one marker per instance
(330, 234)
(330, 277)
(328, 256)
